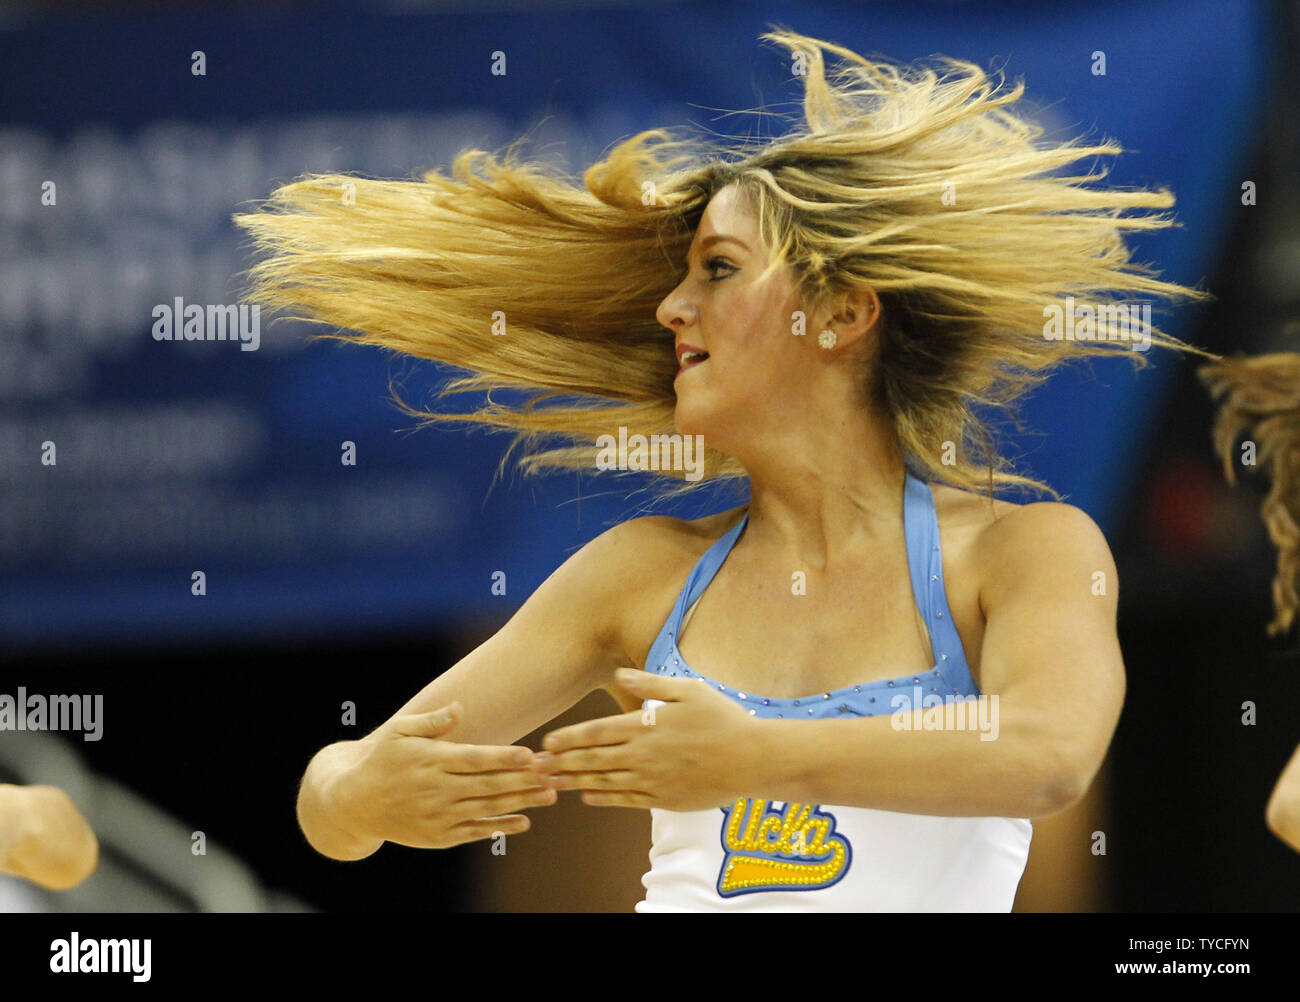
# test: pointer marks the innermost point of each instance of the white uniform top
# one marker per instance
(756, 855)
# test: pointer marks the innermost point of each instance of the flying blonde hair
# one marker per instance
(1260, 397)
(915, 181)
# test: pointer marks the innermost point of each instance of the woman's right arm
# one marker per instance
(432, 781)
(1283, 815)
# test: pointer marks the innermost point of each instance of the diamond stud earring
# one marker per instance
(827, 338)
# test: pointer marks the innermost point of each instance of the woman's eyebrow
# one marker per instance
(716, 238)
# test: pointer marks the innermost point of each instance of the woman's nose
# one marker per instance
(675, 310)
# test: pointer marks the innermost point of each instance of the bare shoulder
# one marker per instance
(1046, 529)
(642, 561)
(1008, 543)
(653, 542)
(637, 559)
(625, 563)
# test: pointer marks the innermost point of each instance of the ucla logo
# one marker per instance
(792, 849)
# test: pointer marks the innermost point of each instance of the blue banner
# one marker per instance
(154, 488)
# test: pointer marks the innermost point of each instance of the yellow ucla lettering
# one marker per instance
(795, 817)
(755, 813)
(822, 828)
(768, 827)
(755, 861)
(730, 836)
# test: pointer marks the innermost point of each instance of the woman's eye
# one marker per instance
(714, 263)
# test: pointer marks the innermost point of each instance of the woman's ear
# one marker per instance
(856, 313)
(861, 306)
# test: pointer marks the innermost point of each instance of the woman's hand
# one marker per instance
(44, 838)
(692, 752)
(409, 787)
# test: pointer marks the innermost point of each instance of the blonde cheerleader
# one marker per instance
(856, 690)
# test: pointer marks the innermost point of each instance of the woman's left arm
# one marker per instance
(1051, 671)
(1050, 667)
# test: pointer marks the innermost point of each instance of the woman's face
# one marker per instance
(744, 326)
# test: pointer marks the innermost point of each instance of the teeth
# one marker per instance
(689, 356)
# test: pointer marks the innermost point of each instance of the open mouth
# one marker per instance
(691, 359)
